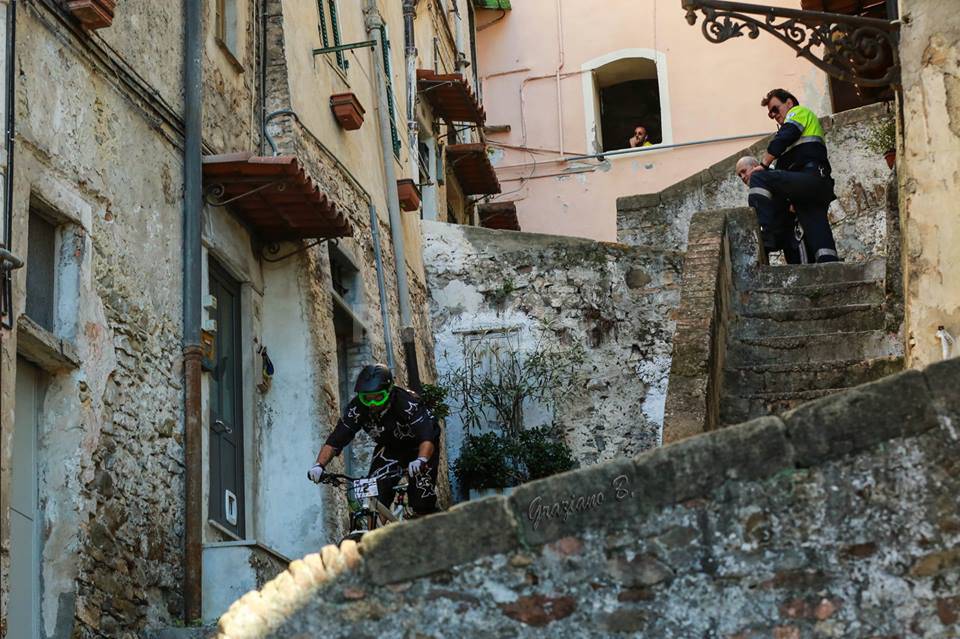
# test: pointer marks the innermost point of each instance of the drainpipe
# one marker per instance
(559, 67)
(192, 194)
(9, 261)
(374, 24)
(410, 49)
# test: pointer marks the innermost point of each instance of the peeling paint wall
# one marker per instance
(929, 170)
(613, 300)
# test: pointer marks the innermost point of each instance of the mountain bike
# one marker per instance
(366, 511)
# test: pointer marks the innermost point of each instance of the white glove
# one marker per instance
(315, 473)
(417, 466)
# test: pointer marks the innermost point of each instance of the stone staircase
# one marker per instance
(803, 332)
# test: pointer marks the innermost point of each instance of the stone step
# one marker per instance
(736, 409)
(812, 296)
(773, 378)
(822, 347)
(848, 318)
(794, 275)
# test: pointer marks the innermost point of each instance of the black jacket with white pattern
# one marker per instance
(404, 425)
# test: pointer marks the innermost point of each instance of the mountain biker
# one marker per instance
(403, 429)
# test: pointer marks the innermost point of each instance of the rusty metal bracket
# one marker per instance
(851, 48)
(213, 193)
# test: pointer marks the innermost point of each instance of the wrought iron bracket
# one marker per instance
(345, 47)
(850, 48)
(213, 193)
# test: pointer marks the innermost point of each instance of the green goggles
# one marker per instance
(376, 398)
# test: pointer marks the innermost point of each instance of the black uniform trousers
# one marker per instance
(771, 193)
(422, 488)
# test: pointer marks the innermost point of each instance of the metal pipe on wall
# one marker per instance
(374, 25)
(192, 275)
(559, 68)
(8, 260)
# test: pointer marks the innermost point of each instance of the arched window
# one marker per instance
(625, 90)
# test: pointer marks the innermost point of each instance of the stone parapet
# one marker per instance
(781, 513)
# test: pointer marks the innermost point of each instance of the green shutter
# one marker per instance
(322, 27)
(491, 4)
(394, 134)
(335, 25)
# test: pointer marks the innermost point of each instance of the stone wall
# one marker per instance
(928, 164)
(838, 520)
(858, 216)
(614, 301)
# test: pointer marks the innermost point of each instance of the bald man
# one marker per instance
(777, 223)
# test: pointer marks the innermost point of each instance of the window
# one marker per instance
(226, 20)
(41, 269)
(623, 90)
(327, 8)
(352, 349)
(629, 97)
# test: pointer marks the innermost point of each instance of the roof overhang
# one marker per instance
(499, 215)
(450, 97)
(473, 169)
(273, 195)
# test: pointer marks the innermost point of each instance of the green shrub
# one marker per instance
(543, 453)
(435, 396)
(485, 462)
(493, 460)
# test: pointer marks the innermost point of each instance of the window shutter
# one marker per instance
(335, 27)
(394, 134)
(322, 25)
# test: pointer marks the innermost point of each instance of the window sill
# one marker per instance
(231, 58)
(43, 348)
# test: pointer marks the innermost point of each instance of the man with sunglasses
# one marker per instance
(403, 430)
(802, 178)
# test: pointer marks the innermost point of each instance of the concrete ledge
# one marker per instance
(849, 422)
(467, 531)
(43, 348)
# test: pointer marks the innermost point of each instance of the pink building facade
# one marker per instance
(565, 83)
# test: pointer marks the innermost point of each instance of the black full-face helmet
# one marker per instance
(374, 384)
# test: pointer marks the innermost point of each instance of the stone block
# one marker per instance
(636, 202)
(860, 418)
(943, 380)
(464, 533)
(603, 496)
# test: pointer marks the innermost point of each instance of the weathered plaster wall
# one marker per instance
(613, 300)
(858, 215)
(110, 437)
(838, 520)
(929, 169)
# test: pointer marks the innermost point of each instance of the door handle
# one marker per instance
(220, 427)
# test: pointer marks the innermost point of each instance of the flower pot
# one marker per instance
(92, 14)
(891, 158)
(409, 194)
(348, 110)
(480, 493)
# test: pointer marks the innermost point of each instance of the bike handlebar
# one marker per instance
(337, 478)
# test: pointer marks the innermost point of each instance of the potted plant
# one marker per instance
(409, 194)
(485, 466)
(882, 140)
(348, 110)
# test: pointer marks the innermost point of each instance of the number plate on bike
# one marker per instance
(364, 488)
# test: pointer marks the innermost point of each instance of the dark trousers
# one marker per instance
(771, 193)
(422, 488)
